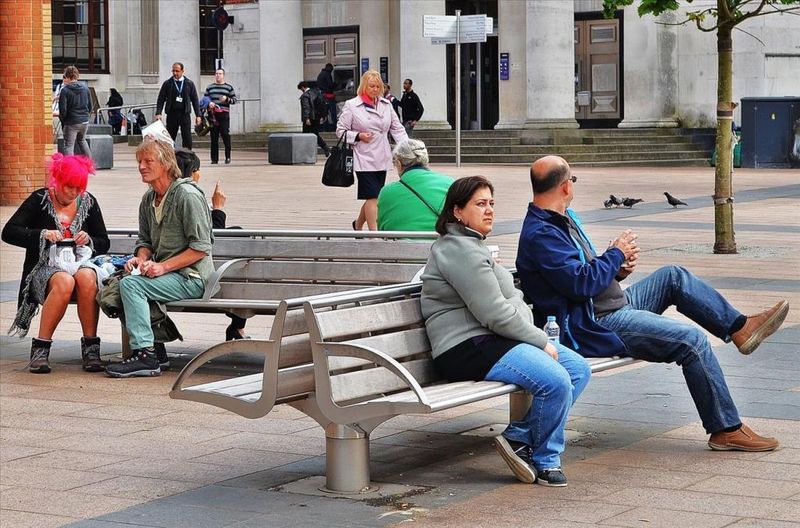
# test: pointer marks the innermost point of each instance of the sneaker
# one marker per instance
(161, 354)
(743, 439)
(143, 362)
(90, 354)
(40, 356)
(553, 477)
(516, 455)
(759, 327)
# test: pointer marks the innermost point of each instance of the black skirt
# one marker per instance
(370, 184)
(472, 359)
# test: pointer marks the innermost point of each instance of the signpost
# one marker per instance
(449, 29)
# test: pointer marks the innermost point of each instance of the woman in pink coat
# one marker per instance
(366, 119)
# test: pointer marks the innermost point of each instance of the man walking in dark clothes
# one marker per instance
(178, 98)
(412, 107)
(326, 86)
(308, 115)
(222, 96)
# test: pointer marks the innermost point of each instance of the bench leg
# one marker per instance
(518, 404)
(347, 460)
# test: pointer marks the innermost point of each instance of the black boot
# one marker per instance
(90, 354)
(143, 362)
(40, 356)
(161, 354)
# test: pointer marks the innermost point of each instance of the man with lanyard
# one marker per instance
(178, 97)
(222, 96)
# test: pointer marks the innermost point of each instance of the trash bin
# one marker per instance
(767, 134)
(737, 153)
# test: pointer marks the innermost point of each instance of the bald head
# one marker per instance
(547, 173)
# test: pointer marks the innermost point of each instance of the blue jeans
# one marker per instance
(554, 385)
(653, 337)
(137, 290)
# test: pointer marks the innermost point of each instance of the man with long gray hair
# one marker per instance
(414, 202)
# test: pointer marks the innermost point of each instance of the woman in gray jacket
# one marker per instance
(481, 329)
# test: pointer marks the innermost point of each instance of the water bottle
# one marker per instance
(552, 330)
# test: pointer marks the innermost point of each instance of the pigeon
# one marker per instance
(674, 202)
(630, 202)
(613, 200)
(607, 203)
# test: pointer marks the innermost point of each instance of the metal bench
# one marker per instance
(371, 363)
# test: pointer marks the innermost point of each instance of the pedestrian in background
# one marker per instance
(309, 114)
(326, 85)
(74, 107)
(366, 121)
(222, 96)
(411, 105)
(178, 98)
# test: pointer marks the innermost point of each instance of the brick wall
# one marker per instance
(26, 127)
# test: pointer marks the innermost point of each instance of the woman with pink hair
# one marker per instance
(66, 215)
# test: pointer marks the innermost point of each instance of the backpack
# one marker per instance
(319, 104)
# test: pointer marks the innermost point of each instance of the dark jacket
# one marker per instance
(74, 104)
(24, 229)
(307, 105)
(412, 106)
(325, 81)
(168, 93)
(558, 280)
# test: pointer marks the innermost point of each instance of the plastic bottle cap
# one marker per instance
(551, 317)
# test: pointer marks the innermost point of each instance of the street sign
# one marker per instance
(438, 26)
(474, 30)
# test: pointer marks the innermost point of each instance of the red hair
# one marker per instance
(70, 171)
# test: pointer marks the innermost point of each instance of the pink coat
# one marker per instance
(357, 117)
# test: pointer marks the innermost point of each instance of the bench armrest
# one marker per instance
(213, 281)
(361, 411)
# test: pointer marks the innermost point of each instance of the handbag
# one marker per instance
(338, 171)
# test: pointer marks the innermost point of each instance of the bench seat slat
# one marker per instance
(275, 270)
(368, 318)
(454, 394)
(288, 248)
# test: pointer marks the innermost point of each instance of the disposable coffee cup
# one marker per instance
(494, 251)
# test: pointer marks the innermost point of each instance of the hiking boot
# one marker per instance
(143, 362)
(161, 354)
(743, 439)
(517, 456)
(553, 477)
(90, 354)
(759, 327)
(40, 356)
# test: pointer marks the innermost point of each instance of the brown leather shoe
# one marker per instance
(759, 327)
(744, 439)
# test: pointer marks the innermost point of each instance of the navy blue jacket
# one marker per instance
(558, 279)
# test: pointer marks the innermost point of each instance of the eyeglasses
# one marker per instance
(572, 178)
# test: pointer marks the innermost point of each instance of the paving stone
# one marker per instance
(20, 519)
(664, 518)
(73, 504)
(748, 486)
(20, 473)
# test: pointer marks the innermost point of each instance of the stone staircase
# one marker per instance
(581, 147)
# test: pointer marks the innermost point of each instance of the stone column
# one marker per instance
(179, 38)
(651, 71)
(550, 64)
(423, 62)
(26, 125)
(513, 92)
(281, 49)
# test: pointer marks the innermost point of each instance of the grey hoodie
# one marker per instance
(466, 294)
(74, 105)
(185, 223)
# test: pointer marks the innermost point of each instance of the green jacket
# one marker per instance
(186, 223)
(400, 210)
(465, 293)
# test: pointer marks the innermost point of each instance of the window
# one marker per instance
(80, 35)
(208, 37)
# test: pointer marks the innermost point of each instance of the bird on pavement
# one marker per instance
(607, 203)
(630, 202)
(674, 202)
(613, 200)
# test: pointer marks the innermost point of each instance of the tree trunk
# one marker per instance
(724, 239)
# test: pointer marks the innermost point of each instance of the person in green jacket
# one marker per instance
(414, 202)
(172, 259)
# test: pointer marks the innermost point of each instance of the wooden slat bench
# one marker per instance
(371, 363)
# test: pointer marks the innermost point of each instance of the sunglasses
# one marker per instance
(572, 178)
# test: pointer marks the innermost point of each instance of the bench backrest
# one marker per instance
(390, 327)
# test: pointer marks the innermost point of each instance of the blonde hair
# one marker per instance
(366, 78)
(164, 152)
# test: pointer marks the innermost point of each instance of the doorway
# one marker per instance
(598, 66)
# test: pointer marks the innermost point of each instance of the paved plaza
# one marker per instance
(84, 450)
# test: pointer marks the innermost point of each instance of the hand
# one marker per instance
(53, 235)
(82, 238)
(212, 105)
(158, 117)
(223, 98)
(152, 269)
(551, 350)
(197, 120)
(626, 242)
(628, 267)
(412, 124)
(366, 137)
(133, 262)
(308, 122)
(218, 198)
